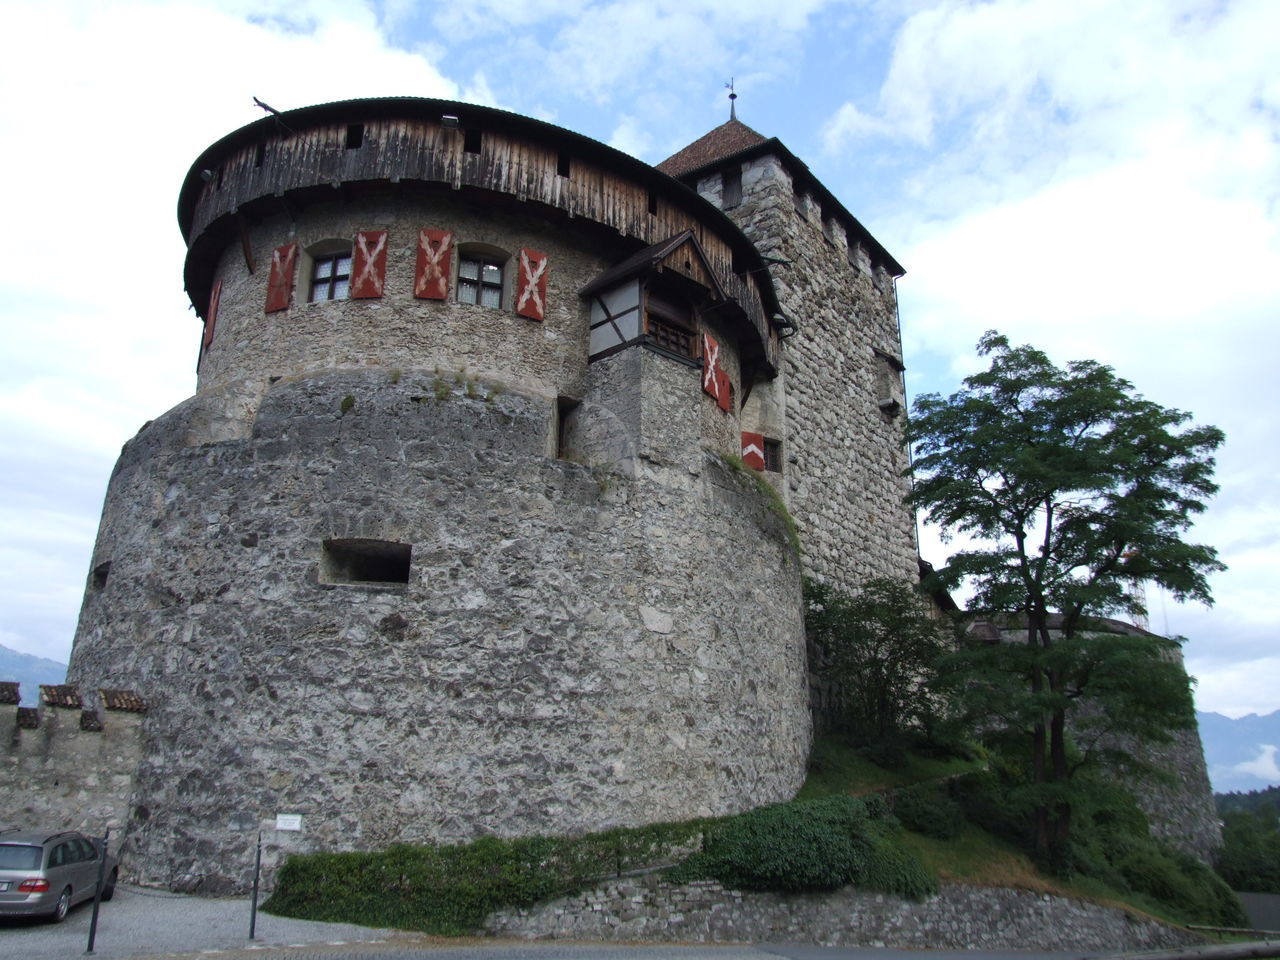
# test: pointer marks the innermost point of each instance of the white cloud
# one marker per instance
(1264, 767)
(97, 335)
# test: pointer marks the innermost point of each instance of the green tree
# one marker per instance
(1250, 856)
(1075, 488)
(881, 646)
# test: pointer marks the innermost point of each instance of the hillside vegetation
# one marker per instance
(897, 831)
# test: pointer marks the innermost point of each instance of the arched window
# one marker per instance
(330, 270)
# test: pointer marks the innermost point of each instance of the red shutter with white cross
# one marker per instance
(753, 450)
(531, 284)
(724, 391)
(435, 262)
(711, 366)
(284, 262)
(368, 264)
(211, 317)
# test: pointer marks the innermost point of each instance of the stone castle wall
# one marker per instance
(69, 768)
(844, 454)
(251, 346)
(570, 644)
(1178, 799)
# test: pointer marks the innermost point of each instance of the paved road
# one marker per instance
(150, 923)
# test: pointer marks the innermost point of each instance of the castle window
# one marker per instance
(360, 561)
(731, 188)
(330, 275)
(668, 326)
(471, 139)
(772, 455)
(564, 166)
(98, 579)
(479, 280)
(355, 136)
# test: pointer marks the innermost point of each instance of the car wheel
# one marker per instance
(62, 906)
(109, 890)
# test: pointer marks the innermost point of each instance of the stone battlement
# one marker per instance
(65, 764)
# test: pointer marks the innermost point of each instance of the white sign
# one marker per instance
(288, 821)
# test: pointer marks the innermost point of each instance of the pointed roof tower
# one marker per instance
(724, 141)
(734, 140)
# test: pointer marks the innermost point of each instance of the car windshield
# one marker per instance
(19, 857)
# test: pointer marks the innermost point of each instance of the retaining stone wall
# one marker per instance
(959, 917)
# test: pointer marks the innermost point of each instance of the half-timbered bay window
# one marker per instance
(480, 280)
(330, 273)
(670, 326)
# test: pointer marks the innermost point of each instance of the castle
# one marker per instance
(483, 516)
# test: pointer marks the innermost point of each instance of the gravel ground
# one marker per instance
(140, 922)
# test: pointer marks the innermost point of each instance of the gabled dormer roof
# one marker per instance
(724, 141)
(694, 265)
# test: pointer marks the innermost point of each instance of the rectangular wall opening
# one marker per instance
(382, 563)
(355, 136)
(471, 139)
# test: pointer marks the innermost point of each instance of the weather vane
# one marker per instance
(733, 113)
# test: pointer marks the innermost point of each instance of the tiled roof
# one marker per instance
(60, 695)
(123, 700)
(725, 140)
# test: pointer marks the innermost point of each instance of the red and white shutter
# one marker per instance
(531, 284)
(711, 366)
(724, 391)
(435, 263)
(284, 263)
(753, 450)
(211, 315)
(368, 264)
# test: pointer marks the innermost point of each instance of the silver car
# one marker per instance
(46, 874)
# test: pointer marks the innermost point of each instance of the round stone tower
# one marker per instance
(453, 538)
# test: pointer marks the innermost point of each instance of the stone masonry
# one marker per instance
(959, 918)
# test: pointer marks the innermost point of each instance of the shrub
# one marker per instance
(787, 847)
(890, 867)
(810, 845)
(927, 809)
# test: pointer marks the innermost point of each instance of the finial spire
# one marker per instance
(733, 112)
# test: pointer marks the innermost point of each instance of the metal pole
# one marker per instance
(257, 869)
(97, 894)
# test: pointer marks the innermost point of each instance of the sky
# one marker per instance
(1096, 177)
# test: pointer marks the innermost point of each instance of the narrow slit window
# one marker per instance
(731, 188)
(259, 155)
(359, 561)
(98, 579)
(563, 165)
(355, 136)
(653, 204)
(471, 140)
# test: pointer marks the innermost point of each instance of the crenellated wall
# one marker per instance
(69, 764)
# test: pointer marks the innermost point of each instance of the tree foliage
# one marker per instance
(1077, 489)
(1250, 856)
(881, 646)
